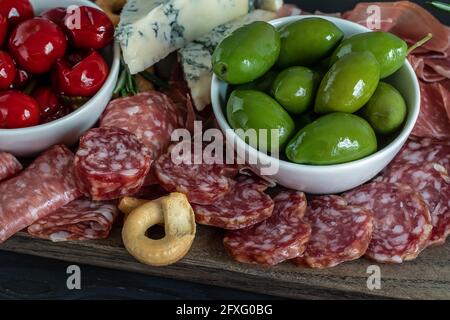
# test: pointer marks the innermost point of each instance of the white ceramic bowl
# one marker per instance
(31, 141)
(332, 178)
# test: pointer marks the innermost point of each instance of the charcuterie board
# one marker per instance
(427, 277)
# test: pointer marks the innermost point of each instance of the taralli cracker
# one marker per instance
(175, 212)
(128, 204)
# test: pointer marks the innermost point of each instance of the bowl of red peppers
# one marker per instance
(58, 69)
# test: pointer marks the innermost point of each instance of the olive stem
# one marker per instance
(419, 43)
(30, 87)
(440, 5)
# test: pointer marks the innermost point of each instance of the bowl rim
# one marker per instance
(390, 148)
(113, 74)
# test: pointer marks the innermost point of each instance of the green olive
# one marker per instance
(250, 109)
(294, 89)
(349, 84)
(388, 49)
(332, 139)
(307, 41)
(247, 54)
(386, 110)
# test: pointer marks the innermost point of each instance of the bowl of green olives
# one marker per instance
(314, 103)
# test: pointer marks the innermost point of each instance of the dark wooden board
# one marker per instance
(428, 277)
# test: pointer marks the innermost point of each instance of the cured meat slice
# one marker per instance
(281, 237)
(9, 166)
(431, 180)
(150, 115)
(425, 150)
(402, 19)
(433, 121)
(402, 222)
(110, 163)
(202, 180)
(81, 219)
(244, 205)
(340, 232)
(45, 186)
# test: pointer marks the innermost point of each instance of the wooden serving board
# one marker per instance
(427, 277)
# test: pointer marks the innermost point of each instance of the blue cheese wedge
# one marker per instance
(149, 30)
(195, 57)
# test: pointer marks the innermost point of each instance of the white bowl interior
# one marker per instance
(330, 178)
(30, 141)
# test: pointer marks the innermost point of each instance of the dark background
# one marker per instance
(30, 277)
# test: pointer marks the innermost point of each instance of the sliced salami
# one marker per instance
(418, 151)
(150, 115)
(45, 186)
(431, 180)
(201, 180)
(402, 222)
(340, 232)
(81, 219)
(281, 237)
(9, 166)
(244, 205)
(110, 163)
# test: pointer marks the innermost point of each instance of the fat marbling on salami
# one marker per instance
(150, 115)
(417, 151)
(81, 219)
(340, 232)
(45, 186)
(9, 166)
(431, 180)
(110, 163)
(246, 204)
(281, 237)
(203, 181)
(402, 221)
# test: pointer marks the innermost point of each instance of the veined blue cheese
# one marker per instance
(149, 30)
(195, 57)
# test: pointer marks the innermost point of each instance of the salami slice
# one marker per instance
(431, 180)
(425, 150)
(340, 232)
(9, 166)
(244, 205)
(402, 222)
(281, 237)
(202, 180)
(81, 219)
(45, 186)
(110, 163)
(150, 115)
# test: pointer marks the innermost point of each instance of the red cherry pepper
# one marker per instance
(22, 79)
(89, 28)
(17, 110)
(56, 15)
(7, 71)
(82, 79)
(36, 44)
(16, 11)
(48, 101)
(3, 28)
